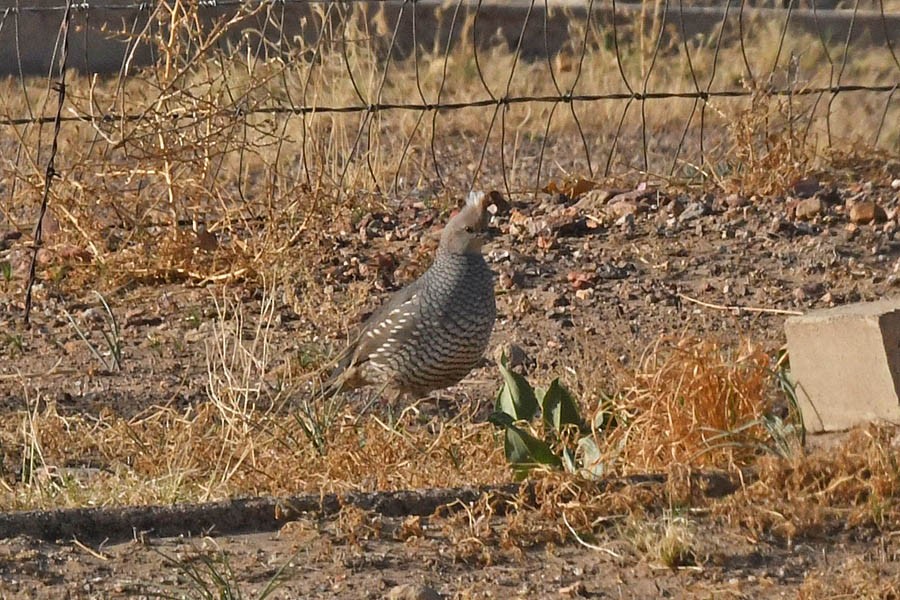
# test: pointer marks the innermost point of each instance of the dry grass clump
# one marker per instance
(168, 455)
(827, 491)
(669, 540)
(690, 401)
(861, 579)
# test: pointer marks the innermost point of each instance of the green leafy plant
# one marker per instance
(562, 439)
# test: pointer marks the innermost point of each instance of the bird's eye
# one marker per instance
(470, 229)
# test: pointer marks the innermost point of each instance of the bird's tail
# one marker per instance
(333, 386)
(341, 368)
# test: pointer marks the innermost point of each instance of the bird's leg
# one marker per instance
(392, 400)
(371, 401)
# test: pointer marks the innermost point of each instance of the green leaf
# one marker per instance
(590, 456)
(559, 407)
(525, 451)
(609, 416)
(516, 398)
(6, 270)
(501, 419)
(569, 461)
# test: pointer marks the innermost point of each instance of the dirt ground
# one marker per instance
(603, 272)
(321, 563)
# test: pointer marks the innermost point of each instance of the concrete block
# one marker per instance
(846, 364)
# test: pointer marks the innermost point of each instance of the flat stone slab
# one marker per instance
(846, 364)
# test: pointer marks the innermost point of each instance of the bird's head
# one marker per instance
(467, 232)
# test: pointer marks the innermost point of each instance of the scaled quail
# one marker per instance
(435, 330)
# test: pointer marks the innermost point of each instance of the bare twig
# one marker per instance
(733, 307)
(586, 544)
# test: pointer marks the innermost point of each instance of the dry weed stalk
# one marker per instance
(238, 360)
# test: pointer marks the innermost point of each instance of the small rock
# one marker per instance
(829, 195)
(866, 211)
(573, 591)
(809, 208)
(779, 225)
(566, 221)
(809, 290)
(595, 198)
(584, 294)
(68, 252)
(499, 205)
(675, 206)
(580, 279)
(693, 211)
(895, 184)
(91, 315)
(516, 357)
(623, 207)
(625, 221)
(736, 201)
(806, 187)
(612, 271)
(412, 591)
(632, 196)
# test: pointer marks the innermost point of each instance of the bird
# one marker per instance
(430, 334)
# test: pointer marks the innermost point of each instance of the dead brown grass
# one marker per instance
(688, 405)
(852, 485)
(171, 456)
(689, 401)
(859, 579)
(200, 189)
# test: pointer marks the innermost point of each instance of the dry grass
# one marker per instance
(669, 540)
(170, 456)
(688, 401)
(686, 404)
(189, 192)
(853, 485)
(859, 579)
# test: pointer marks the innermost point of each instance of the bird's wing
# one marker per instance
(373, 333)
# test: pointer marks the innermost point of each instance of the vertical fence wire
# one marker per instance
(50, 172)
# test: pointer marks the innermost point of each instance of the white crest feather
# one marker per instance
(474, 198)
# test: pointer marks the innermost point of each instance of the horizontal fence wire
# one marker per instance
(502, 101)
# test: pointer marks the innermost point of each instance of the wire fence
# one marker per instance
(245, 117)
